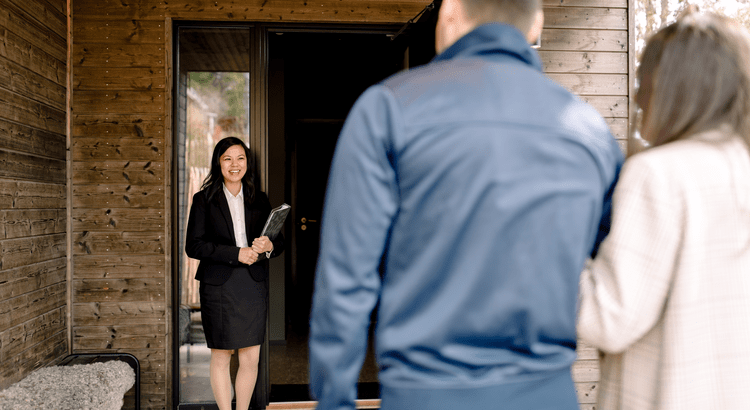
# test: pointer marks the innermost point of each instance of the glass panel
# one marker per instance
(213, 101)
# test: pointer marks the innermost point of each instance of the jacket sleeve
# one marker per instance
(361, 201)
(624, 290)
(198, 241)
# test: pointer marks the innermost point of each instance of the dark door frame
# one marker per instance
(259, 142)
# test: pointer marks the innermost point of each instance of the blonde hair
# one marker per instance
(696, 74)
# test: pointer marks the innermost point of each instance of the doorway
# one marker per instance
(319, 76)
(299, 84)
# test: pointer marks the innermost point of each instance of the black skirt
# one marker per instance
(234, 314)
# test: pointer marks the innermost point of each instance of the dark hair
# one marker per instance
(695, 76)
(213, 182)
(519, 13)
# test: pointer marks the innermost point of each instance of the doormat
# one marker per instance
(301, 392)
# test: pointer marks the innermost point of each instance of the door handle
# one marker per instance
(304, 221)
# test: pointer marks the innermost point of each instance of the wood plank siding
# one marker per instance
(33, 179)
(117, 160)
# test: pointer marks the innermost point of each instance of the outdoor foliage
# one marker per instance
(653, 14)
(218, 107)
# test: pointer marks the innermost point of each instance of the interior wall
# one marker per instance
(121, 148)
(33, 180)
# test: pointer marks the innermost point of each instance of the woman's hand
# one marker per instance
(262, 244)
(247, 256)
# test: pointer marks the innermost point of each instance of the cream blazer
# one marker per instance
(667, 299)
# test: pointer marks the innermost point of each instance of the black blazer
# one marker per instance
(210, 236)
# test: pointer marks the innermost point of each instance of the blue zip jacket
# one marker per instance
(463, 200)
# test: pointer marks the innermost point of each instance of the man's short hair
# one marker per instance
(519, 13)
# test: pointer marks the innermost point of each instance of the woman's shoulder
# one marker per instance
(692, 151)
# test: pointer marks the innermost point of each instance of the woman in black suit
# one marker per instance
(224, 227)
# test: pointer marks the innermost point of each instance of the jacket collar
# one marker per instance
(493, 38)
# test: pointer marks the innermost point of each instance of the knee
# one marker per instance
(221, 357)
(249, 356)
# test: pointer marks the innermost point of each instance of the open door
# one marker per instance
(323, 75)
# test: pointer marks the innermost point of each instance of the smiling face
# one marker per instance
(233, 165)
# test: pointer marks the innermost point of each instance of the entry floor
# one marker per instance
(289, 372)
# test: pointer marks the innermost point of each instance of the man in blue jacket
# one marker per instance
(463, 201)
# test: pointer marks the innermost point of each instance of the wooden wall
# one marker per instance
(33, 215)
(121, 148)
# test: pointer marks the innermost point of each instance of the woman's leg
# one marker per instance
(221, 382)
(246, 375)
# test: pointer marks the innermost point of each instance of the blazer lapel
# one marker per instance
(251, 219)
(224, 208)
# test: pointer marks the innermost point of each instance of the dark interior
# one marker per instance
(323, 75)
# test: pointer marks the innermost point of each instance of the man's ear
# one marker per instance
(535, 31)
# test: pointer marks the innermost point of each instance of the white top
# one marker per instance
(237, 209)
(668, 297)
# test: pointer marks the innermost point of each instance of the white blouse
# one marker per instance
(237, 209)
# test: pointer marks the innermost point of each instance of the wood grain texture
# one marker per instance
(20, 51)
(33, 225)
(19, 137)
(104, 127)
(118, 31)
(43, 13)
(119, 219)
(31, 167)
(590, 18)
(119, 290)
(26, 195)
(113, 148)
(23, 251)
(563, 39)
(14, 19)
(44, 327)
(345, 11)
(119, 313)
(586, 3)
(618, 127)
(119, 172)
(119, 266)
(106, 102)
(114, 54)
(28, 278)
(594, 84)
(609, 106)
(17, 367)
(584, 62)
(28, 306)
(26, 111)
(88, 243)
(586, 393)
(118, 196)
(18, 223)
(585, 371)
(31, 85)
(111, 78)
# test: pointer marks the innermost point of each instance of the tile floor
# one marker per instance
(288, 372)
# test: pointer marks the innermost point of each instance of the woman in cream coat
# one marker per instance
(667, 299)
